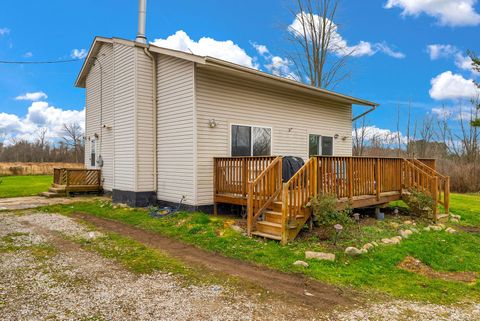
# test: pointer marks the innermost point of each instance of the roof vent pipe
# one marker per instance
(142, 18)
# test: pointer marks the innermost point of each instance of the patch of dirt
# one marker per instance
(322, 296)
(469, 229)
(21, 203)
(411, 264)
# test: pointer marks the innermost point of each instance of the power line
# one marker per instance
(38, 62)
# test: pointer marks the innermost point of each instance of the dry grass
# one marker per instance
(7, 169)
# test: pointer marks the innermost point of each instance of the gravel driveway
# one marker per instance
(72, 283)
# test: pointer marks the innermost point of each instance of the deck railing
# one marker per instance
(232, 174)
(76, 177)
(263, 191)
(296, 193)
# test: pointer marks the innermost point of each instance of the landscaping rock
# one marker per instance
(455, 217)
(368, 246)
(454, 220)
(428, 228)
(353, 251)
(237, 228)
(435, 228)
(408, 223)
(450, 230)
(375, 243)
(405, 233)
(442, 226)
(301, 263)
(393, 240)
(320, 256)
(395, 225)
(414, 230)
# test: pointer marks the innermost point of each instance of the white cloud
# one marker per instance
(447, 12)
(338, 44)
(279, 66)
(35, 96)
(78, 53)
(4, 31)
(437, 51)
(39, 115)
(384, 135)
(261, 49)
(225, 50)
(452, 86)
(28, 55)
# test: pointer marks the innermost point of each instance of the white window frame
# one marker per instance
(320, 144)
(251, 142)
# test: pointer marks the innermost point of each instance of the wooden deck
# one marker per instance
(73, 180)
(277, 209)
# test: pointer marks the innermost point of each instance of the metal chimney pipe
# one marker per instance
(142, 18)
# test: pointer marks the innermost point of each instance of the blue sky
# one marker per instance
(395, 68)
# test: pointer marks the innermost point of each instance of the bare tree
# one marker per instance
(321, 55)
(73, 137)
(359, 137)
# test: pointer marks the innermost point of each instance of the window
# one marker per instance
(320, 145)
(251, 141)
(92, 152)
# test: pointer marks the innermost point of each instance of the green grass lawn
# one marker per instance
(375, 271)
(14, 186)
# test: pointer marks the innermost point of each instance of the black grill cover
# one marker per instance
(290, 165)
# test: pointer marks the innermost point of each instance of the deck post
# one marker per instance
(378, 178)
(285, 212)
(249, 208)
(435, 197)
(315, 176)
(350, 178)
(446, 195)
(244, 176)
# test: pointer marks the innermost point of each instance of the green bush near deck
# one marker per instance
(375, 271)
(15, 186)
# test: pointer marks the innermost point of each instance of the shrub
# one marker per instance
(420, 203)
(325, 211)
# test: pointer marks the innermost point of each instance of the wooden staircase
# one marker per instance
(74, 180)
(277, 210)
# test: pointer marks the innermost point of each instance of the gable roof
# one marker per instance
(219, 64)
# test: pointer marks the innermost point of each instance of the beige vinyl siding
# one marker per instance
(292, 117)
(144, 118)
(99, 106)
(124, 120)
(175, 133)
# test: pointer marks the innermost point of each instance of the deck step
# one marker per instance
(51, 195)
(269, 228)
(58, 190)
(273, 217)
(267, 235)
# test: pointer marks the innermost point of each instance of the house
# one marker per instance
(169, 127)
(156, 118)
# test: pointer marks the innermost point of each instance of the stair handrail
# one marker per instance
(433, 188)
(297, 192)
(263, 191)
(443, 185)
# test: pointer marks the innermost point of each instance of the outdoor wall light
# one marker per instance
(212, 123)
(344, 138)
(336, 136)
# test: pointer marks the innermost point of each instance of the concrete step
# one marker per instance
(58, 190)
(443, 217)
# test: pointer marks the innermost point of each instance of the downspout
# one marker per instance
(154, 102)
(365, 113)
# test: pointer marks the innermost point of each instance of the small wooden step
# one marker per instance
(267, 235)
(273, 217)
(277, 206)
(51, 195)
(58, 190)
(269, 228)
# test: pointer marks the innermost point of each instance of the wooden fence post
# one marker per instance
(377, 176)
